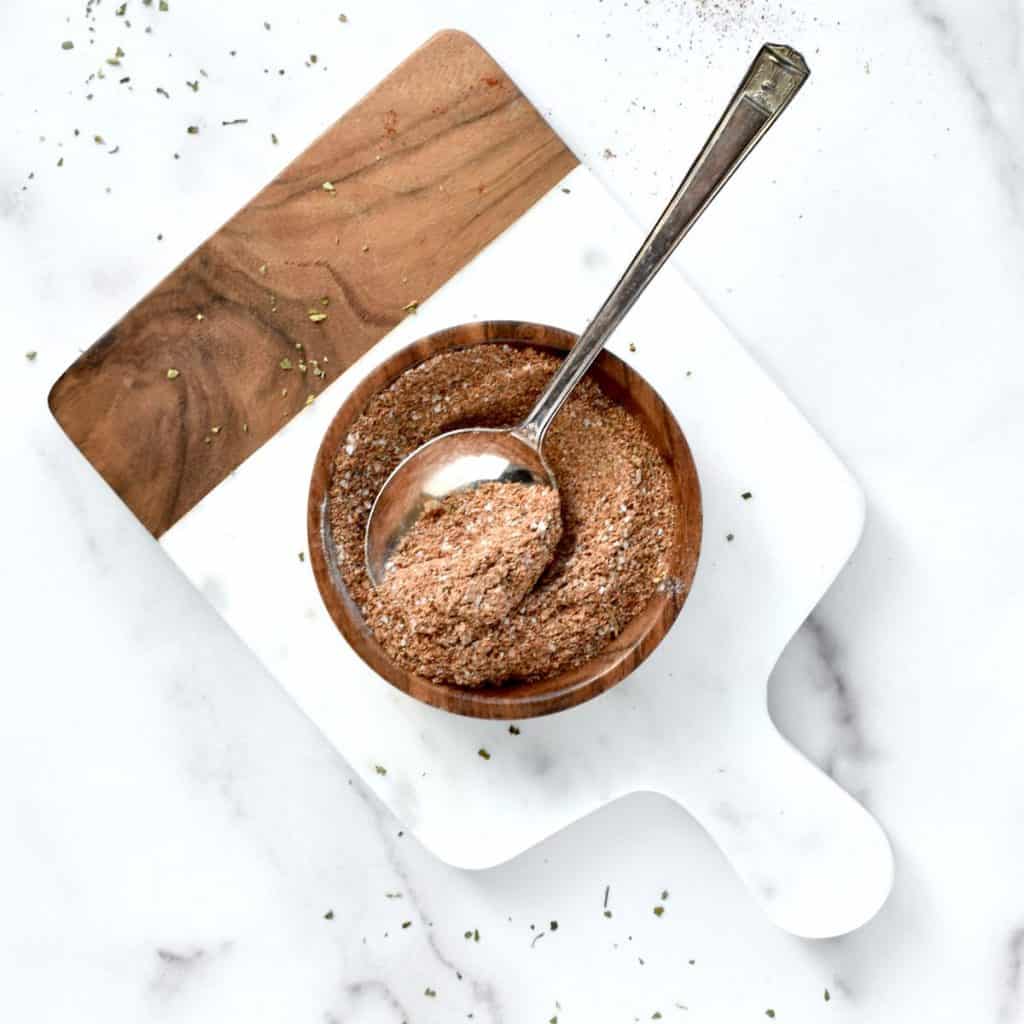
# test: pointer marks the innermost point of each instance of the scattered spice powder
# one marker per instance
(617, 507)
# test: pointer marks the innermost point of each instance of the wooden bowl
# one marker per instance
(515, 700)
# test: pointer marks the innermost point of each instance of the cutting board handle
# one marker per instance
(813, 857)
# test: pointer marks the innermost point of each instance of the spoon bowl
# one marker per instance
(453, 462)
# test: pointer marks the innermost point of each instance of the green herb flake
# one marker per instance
(67, 45)
(484, 754)
(302, 556)
(328, 186)
(193, 129)
(285, 364)
(514, 729)
(746, 495)
(273, 138)
(393, 895)
(310, 399)
(467, 935)
(664, 894)
(99, 140)
(411, 307)
(173, 374)
(60, 162)
(607, 913)
(828, 995)
(659, 910)
(769, 1013)
(329, 916)
(730, 537)
(691, 962)
(407, 924)
(30, 356)
(316, 316)
(163, 92)
(656, 1015)
(380, 769)
(429, 993)
(554, 926)
(163, 5)
(120, 11)
(194, 86)
(343, 18)
(312, 58)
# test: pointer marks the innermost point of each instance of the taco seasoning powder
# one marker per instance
(491, 586)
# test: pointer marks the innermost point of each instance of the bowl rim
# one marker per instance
(564, 690)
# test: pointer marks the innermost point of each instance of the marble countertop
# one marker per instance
(180, 843)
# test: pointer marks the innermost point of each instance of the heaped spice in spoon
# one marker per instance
(472, 558)
(618, 521)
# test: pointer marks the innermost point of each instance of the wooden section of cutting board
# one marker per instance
(421, 174)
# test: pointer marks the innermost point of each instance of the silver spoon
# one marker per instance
(462, 459)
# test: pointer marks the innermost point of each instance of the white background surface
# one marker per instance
(176, 829)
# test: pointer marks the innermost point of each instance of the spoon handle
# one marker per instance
(773, 79)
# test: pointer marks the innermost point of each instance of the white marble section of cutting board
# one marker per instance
(692, 721)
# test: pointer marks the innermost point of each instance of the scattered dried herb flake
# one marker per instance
(484, 754)
(329, 916)
(67, 45)
(173, 374)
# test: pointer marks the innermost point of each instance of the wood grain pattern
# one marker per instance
(426, 170)
(637, 640)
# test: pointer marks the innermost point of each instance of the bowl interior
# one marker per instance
(516, 699)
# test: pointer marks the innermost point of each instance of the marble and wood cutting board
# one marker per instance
(443, 197)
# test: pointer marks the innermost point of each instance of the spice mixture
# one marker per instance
(481, 618)
(472, 558)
